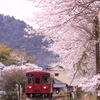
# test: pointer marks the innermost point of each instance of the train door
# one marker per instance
(38, 85)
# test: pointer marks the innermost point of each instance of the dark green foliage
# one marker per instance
(12, 95)
(12, 34)
(70, 99)
(81, 63)
(19, 81)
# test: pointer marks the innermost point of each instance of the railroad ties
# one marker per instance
(38, 99)
(54, 98)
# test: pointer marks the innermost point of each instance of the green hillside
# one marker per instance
(12, 34)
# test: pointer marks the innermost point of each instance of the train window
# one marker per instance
(29, 78)
(37, 80)
(46, 79)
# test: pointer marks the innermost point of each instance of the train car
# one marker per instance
(39, 84)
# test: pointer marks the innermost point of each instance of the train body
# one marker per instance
(39, 84)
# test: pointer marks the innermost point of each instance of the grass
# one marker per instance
(70, 99)
(93, 97)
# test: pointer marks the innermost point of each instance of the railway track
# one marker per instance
(54, 98)
(58, 98)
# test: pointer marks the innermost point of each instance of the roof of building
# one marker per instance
(59, 84)
(2, 65)
(57, 68)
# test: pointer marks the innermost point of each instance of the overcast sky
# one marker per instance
(17, 8)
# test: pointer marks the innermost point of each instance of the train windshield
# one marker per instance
(46, 79)
(29, 78)
(37, 80)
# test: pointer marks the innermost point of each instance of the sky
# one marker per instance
(20, 9)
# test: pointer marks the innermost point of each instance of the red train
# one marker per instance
(39, 84)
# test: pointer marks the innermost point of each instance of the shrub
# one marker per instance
(10, 78)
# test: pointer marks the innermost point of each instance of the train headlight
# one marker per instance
(30, 87)
(45, 87)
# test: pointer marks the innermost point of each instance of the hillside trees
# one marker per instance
(4, 54)
(10, 57)
(68, 26)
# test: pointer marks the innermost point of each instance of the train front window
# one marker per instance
(46, 79)
(29, 78)
(37, 80)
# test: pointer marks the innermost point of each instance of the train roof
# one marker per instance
(38, 72)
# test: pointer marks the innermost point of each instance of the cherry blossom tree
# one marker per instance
(68, 25)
